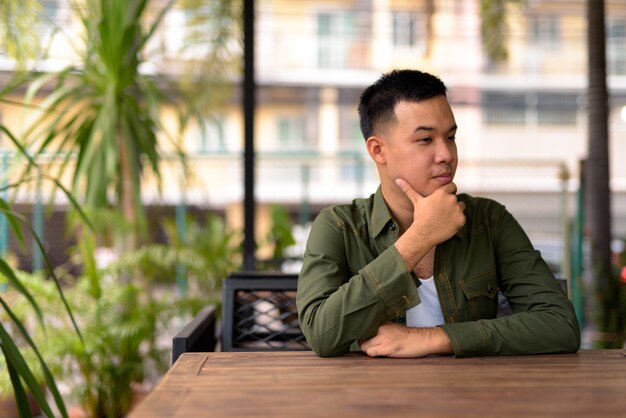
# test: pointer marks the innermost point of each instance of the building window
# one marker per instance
(211, 137)
(616, 47)
(529, 108)
(336, 39)
(405, 29)
(291, 134)
(556, 108)
(352, 147)
(49, 18)
(545, 30)
(504, 109)
(351, 137)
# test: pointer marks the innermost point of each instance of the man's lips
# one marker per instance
(443, 176)
(443, 179)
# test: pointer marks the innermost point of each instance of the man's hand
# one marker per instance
(395, 340)
(436, 218)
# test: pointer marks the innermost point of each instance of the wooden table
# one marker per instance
(299, 384)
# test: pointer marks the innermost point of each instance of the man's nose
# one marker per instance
(444, 152)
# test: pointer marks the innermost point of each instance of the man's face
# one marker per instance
(421, 147)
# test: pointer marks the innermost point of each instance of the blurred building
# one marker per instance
(522, 122)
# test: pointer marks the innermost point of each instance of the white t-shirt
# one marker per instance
(428, 312)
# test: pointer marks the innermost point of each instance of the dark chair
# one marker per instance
(258, 314)
(199, 335)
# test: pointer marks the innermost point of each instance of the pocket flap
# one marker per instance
(484, 284)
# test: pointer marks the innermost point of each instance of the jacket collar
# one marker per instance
(380, 216)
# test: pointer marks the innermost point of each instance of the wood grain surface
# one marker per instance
(590, 383)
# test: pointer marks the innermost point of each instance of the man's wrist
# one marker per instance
(441, 342)
(410, 251)
(435, 339)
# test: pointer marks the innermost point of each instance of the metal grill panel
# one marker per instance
(260, 313)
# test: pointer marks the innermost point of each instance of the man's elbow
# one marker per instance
(328, 351)
(573, 343)
(323, 344)
(571, 336)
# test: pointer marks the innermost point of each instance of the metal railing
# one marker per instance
(536, 192)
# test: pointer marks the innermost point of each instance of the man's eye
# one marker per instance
(424, 140)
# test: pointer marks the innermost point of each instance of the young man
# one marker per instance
(415, 269)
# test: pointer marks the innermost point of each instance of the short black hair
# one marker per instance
(378, 101)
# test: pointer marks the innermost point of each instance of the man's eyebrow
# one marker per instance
(430, 128)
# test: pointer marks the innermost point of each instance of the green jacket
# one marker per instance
(353, 280)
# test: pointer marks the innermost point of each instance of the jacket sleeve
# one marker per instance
(338, 306)
(543, 319)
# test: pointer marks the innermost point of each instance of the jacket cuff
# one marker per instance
(468, 339)
(393, 282)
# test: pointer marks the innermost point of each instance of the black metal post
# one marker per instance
(248, 116)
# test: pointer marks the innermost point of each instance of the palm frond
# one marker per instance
(16, 360)
(15, 227)
(19, 370)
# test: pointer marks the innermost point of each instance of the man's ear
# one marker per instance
(376, 149)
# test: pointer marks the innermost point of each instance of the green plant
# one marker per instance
(279, 237)
(15, 338)
(119, 322)
(23, 311)
(280, 234)
(206, 253)
(17, 19)
(106, 110)
(102, 118)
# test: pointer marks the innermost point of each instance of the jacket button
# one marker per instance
(490, 289)
(392, 226)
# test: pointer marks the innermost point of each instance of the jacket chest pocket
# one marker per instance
(480, 293)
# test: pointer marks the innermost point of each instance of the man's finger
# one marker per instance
(407, 189)
(450, 188)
